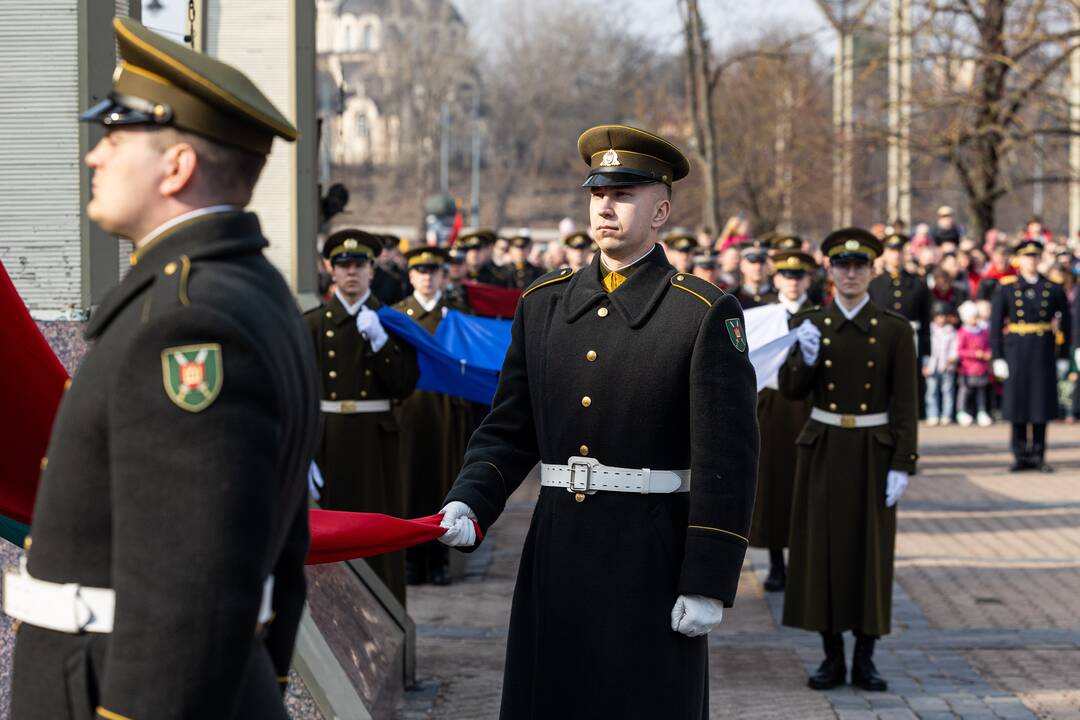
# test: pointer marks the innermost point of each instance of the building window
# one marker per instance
(348, 44)
(367, 39)
(362, 125)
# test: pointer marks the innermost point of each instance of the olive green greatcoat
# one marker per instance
(358, 454)
(781, 421)
(433, 429)
(842, 535)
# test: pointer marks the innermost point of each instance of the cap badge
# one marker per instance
(851, 245)
(610, 159)
(351, 244)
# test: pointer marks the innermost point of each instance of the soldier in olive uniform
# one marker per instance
(433, 425)
(477, 245)
(170, 526)
(579, 250)
(455, 291)
(783, 419)
(364, 369)
(856, 364)
(522, 273)
(625, 365)
(755, 289)
(1025, 307)
(681, 246)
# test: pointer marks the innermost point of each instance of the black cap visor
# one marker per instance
(794, 274)
(619, 177)
(850, 258)
(342, 258)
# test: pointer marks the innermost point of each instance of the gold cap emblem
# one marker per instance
(851, 245)
(351, 244)
(611, 159)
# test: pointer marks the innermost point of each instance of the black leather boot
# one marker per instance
(833, 671)
(777, 577)
(863, 673)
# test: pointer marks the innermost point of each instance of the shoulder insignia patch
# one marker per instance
(702, 289)
(1007, 280)
(192, 375)
(549, 279)
(736, 333)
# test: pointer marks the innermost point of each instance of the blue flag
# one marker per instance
(474, 373)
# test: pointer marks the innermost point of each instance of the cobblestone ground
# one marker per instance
(986, 605)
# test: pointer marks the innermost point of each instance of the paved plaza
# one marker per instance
(986, 605)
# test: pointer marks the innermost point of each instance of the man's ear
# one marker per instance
(179, 164)
(328, 267)
(661, 213)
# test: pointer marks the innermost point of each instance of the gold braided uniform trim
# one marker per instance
(725, 532)
(110, 715)
(1026, 328)
(702, 298)
(185, 272)
(567, 274)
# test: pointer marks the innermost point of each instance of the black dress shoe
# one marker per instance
(864, 674)
(776, 578)
(440, 575)
(832, 672)
(1021, 466)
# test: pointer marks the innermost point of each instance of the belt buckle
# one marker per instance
(580, 489)
(348, 406)
(847, 421)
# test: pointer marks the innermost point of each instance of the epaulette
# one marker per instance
(551, 278)
(896, 315)
(169, 289)
(700, 288)
(1007, 280)
(807, 311)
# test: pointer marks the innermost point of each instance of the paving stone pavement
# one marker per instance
(986, 605)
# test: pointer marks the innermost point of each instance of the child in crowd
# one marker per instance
(973, 351)
(940, 369)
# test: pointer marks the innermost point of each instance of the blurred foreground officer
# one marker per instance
(856, 363)
(364, 368)
(433, 425)
(1022, 341)
(784, 420)
(625, 365)
(521, 272)
(174, 490)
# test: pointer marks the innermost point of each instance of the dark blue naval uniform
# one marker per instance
(1022, 333)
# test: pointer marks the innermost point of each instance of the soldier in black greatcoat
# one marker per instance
(1027, 312)
(898, 290)
(625, 365)
(520, 271)
(165, 574)
(389, 284)
(477, 245)
(755, 289)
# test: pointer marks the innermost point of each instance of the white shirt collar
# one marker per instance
(428, 305)
(170, 224)
(354, 308)
(793, 305)
(850, 314)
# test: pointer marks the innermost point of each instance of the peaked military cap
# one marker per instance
(520, 240)
(390, 241)
(756, 249)
(352, 244)
(160, 82)
(706, 261)
(620, 155)
(427, 256)
(895, 241)
(680, 240)
(579, 240)
(783, 241)
(475, 238)
(851, 244)
(793, 262)
(1029, 246)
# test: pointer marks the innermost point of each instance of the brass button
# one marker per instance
(897, 305)
(44, 463)
(579, 497)
(866, 386)
(170, 268)
(27, 543)
(826, 341)
(329, 314)
(1019, 303)
(678, 277)
(367, 373)
(331, 354)
(333, 396)
(329, 333)
(832, 386)
(828, 321)
(873, 341)
(586, 401)
(828, 363)
(363, 393)
(602, 312)
(832, 406)
(1019, 313)
(898, 294)
(862, 406)
(870, 363)
(583, 450)
(332, 374)
(591, 356)
(408, 311)
(873, 321)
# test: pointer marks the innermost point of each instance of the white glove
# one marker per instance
(1062, 368)
(458, 520)
(1076, 357)
(809, 341)
(367, 322)
(695, 615)
(315, 481)
(1001, 369)
(895, 484)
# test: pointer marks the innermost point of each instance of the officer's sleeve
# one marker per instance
(503, 449)
(723, 458)
(193, 513)
(904, 407)
(998, 311)
(796, 378)
(290, 591)
(396, 366)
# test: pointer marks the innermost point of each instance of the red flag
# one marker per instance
(455, 229)
(337, 536)
(492, 301)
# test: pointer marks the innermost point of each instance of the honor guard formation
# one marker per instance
(210, 413)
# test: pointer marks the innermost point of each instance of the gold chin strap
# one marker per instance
(612, 281)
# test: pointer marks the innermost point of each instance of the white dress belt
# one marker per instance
(849, 421)
(586, 475)
(352, 407)
(72, 608)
